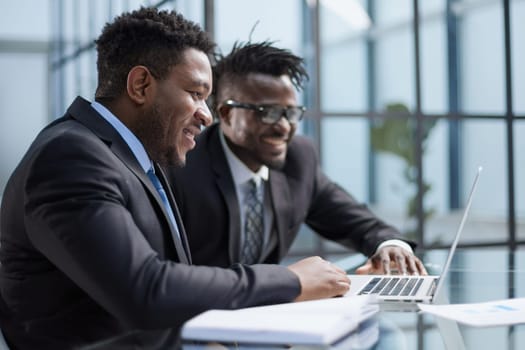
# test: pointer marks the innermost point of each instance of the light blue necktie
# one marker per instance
(158, 186)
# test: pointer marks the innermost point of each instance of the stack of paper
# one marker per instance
(493, 313)
(319, 322)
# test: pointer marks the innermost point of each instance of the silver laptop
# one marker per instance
(396, 290)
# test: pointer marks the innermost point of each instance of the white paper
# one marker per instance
(309, 322)
(494, 313)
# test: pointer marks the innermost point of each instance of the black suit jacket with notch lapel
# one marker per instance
(87, 253)
(300, 193)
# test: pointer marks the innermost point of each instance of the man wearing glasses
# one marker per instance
(257, 182)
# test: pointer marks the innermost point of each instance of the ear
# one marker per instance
(224, 113)
(139, 83)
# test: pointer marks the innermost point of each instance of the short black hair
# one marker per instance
(149, 37)
(263, 57)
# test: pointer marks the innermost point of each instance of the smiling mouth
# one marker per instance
(191, 132)
(274, 141)
(190, 135)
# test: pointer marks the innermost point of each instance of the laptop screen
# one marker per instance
(454, 245)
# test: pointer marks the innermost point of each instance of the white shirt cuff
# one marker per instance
(396, 242)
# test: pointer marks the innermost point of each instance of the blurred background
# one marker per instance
(406, 99)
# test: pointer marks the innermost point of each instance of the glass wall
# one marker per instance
(258, 23)
(519, 175)
(24, 68)
(407, 113)
(47, 58)
(517, 11)
(433, 98)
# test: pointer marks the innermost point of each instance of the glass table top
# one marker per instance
(476, 275)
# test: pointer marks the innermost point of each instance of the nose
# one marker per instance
(283, 124)
(203, 114)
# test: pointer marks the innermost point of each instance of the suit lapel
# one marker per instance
(225, 183)
(81, 110)
(281, 206)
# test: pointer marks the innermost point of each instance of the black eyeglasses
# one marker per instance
(270, 114)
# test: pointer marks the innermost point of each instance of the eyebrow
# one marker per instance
(201, 83)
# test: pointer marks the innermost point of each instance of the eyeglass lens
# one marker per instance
(272, 114)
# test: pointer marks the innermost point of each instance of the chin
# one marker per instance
(275, 163)
(173, 159)
(178, 161)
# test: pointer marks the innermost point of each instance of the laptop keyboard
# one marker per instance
(393, 286)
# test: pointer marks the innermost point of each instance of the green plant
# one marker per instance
(396, 135)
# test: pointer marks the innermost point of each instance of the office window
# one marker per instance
(191, 9)
(394, 169)
(491, 198)
(482, 58)
(434, 53)
(392, 13)
(394, 66)
(21, 121)
(441, 220)
(520, 262)
(343, 68)
(394, 55)
(519, 176)
(80, 23)
(19, 24)
(345, 153)
(367, 87)
(244, 20)
(517, 13)
(431, 7)
(24, 65)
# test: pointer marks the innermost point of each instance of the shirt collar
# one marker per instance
(240, 172)
(131, 140)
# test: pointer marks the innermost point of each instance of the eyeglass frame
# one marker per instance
(262, 113)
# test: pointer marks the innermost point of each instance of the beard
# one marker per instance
(275, 163)
(152, 130)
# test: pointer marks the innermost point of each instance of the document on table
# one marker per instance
(318, 322)
(487, 314)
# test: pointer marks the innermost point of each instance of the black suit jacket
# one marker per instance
(87, 253)
(300, 193)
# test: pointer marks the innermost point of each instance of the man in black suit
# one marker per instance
(256, 104)
(93, 250)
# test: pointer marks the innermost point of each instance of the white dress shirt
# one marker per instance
(241, 176)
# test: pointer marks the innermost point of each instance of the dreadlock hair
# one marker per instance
(149, 37)
(263, 58)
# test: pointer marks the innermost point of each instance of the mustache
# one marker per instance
(277, 134)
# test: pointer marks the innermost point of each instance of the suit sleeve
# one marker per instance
(338, 216)
(78, 215)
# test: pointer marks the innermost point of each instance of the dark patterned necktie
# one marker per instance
(253, 225)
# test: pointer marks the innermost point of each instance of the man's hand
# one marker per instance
(393, 257)
(319, 279)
